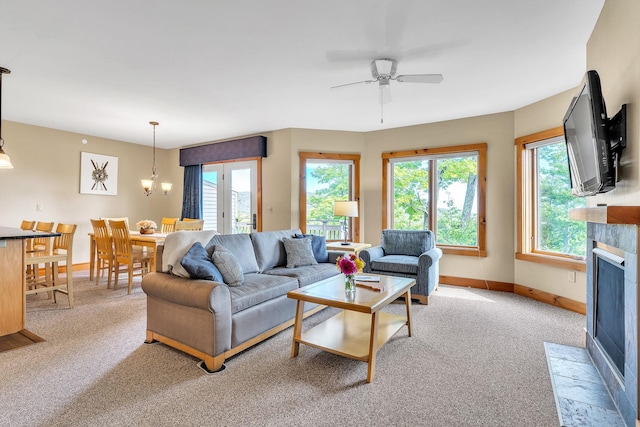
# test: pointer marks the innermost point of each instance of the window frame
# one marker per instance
(527, 206)
(480, 250)
(305, 156)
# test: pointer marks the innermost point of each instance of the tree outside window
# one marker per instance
(449, 177)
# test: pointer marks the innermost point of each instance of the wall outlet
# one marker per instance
(572, 276)
(39, 207)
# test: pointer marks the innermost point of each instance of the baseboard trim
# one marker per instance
(476, 283)
(525, 291)
(548, 298)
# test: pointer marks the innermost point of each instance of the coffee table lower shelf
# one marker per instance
(348, 333)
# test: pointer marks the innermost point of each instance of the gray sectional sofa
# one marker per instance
(212, 320)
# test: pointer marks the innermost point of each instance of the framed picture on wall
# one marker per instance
(98, 174)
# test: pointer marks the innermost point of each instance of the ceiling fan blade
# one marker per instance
(352, 84)
(420, 78)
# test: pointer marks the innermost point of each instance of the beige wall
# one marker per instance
(537, 117)
(47, 171)
(497, 131)
(614, 51)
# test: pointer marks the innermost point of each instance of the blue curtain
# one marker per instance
(192, 192)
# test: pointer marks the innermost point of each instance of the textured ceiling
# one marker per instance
(209, 70)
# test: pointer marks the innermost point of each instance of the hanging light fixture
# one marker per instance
(150, 184)
(5, 161)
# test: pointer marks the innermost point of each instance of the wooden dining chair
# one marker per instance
(121, 218)
(104, 249)
(168, 225)
(27, 225)
(194, 225)
(61, 251)
(124, 257)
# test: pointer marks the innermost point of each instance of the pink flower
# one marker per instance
(347, 266)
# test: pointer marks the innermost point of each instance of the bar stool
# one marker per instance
(60, 251)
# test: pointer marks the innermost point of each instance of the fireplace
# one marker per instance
(612, 317)
(608, 307)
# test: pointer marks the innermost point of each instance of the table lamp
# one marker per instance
(345, 209)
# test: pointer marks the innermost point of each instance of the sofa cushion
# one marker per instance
(269, 249)
(258, 288)
(299, 252)
(199, 265)
(240, 246)
(306, 275)
(319, 246)
(396, 264)
(228, 265)
(406, 242)
(177, 244)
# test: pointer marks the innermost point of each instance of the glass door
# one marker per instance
(230, 197)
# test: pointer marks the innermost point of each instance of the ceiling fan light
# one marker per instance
(384, 66)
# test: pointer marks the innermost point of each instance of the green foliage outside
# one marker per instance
(557, 233)
(456, 219)
(334, 185)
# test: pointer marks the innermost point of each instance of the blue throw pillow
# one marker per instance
(199, 265)
(318, 245)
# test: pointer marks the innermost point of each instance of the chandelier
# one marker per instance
(149, 185)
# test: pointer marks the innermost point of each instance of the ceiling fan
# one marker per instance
(383, 71)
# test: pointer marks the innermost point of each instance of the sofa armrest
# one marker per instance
(429, 258)
(333, 255)
(370, 254)
(202, 294)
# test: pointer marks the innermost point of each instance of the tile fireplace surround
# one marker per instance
(614, 229)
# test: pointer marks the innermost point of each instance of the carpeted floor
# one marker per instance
(476, 358)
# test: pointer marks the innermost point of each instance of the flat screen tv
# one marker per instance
(593, 141)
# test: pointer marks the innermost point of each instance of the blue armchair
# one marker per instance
(406, 253)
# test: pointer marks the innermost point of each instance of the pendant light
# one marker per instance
(5, 161)
(150, 184)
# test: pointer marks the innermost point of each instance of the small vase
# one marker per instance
(349, 286)
(146, 231)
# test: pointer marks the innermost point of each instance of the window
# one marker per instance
(325, 178)
(438, 189)
(545, 232)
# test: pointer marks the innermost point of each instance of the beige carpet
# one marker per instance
(476, 359)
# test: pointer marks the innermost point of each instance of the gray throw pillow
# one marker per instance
(299, 252)
(199, 265)
(228, 265)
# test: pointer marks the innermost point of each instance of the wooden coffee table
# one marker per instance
(360, 329)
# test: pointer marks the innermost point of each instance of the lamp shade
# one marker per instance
(345, 208)
(5, 161)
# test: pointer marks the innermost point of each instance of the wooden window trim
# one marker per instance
(525, 223)
(306, 155)
(481, 149)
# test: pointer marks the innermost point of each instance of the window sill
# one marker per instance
(560, 262)
(453, 250)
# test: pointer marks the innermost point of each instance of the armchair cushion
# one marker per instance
(406, 242)
(396, 264)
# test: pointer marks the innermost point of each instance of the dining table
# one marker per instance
(137, 239)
